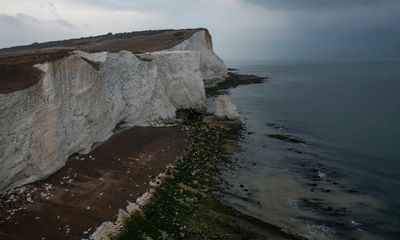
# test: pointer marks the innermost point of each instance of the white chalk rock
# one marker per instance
(82, 98)
(225, 108)
(181, 75)
(105, 232)
(212, 66)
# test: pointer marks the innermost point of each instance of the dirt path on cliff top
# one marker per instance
(91, 188)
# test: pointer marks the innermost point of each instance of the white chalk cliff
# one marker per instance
(212, 66)
(81, 98)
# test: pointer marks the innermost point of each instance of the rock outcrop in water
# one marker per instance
(225, 108)
(79, 99)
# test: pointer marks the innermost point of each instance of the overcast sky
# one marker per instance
(241, 29)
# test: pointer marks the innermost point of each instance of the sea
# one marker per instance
(320, 155)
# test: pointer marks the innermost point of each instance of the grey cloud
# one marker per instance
(22, 29)
(17, 20)
(274, 29)
(26, 18)
(315, 4)
(333, 29)
(148, 5)
(62, 22)
(9, 20)
(21, 18)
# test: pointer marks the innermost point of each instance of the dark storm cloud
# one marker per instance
(253, 29)
(315, 4)
(336, 28)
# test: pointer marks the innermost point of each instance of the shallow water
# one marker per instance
(321, 156)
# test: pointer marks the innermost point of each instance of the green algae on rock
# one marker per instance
(185, 205)
(233, 80)
(286, 138)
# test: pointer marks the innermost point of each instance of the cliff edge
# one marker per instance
(61, 98)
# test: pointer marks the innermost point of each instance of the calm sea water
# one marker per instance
(340, 178)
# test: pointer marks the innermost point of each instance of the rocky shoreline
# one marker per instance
(91, 188)
(185, 205)
(55, 105)
(233, 80)
(67, 170)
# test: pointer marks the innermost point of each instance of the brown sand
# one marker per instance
(102, 182)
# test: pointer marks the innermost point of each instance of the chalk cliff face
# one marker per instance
(212, 67)
(81, 98)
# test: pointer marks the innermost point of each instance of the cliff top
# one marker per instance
(16, 63)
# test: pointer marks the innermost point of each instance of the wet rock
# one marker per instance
(225, 108)
(286, 138)
(352, 191)
(276, 126)
(326, 190)
(328, 209)
(295, 150)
